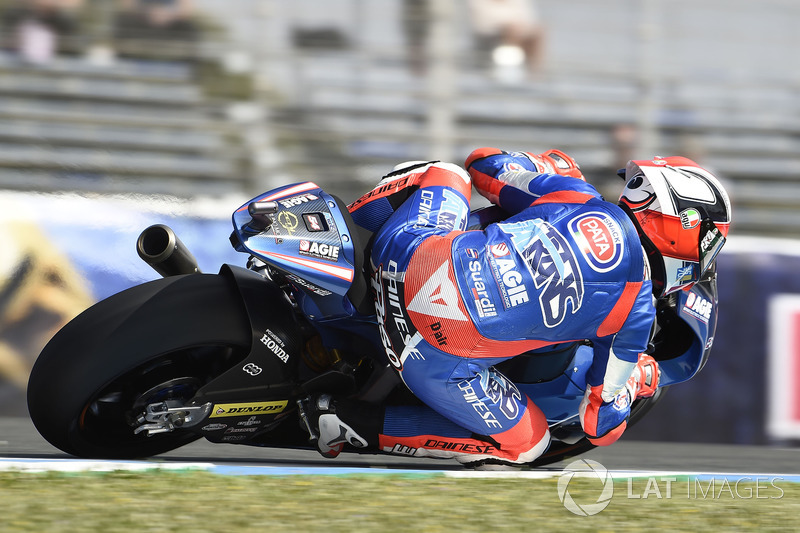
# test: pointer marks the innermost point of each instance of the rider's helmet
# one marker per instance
(683, 214)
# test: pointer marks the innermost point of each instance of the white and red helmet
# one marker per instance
(684, 214)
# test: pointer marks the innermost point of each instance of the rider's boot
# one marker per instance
(325, 416)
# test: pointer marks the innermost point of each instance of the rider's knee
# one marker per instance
(528, 439)
(447, 175)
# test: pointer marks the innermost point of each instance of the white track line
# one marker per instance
(80, 465)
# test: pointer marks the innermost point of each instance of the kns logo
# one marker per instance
(502, 392)
(552, 264)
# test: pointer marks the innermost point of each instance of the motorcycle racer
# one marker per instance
(565, 266)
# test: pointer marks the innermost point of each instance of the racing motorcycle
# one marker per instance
(232, 357)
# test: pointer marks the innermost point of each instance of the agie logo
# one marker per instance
(599, 239)
(319, 250)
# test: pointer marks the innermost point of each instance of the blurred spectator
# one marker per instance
(624, 142)
(416, 26)
(156, 20)
(509, 23)
(37, 26)
(625, 137)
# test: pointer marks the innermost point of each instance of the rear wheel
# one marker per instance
(159, 341)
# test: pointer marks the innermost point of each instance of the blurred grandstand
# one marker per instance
(238, 96)
(244, 94)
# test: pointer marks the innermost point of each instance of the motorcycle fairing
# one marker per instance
(311, 242)
(697, 310)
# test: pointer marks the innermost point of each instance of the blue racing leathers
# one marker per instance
(451, 304)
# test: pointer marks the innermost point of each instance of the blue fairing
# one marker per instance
(697, 309)
(309, 242)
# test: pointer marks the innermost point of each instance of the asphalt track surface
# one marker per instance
(19, 440)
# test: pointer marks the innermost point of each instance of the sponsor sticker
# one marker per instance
(240, 430)
(453, 212)
(690, 218)
(698, 307)
(319, 250)
(501, 392)
(441, 209)
(686, 273)
(552, 264)
(394, 329)
(252, 369)
(459, 446)
(438, 334)
(513, 167)
(274, 343)
(308, 286)
(620, 402)
(383, 190)
(499, 250)
(479, 290)
(214, 427)
(297, 200)
(479, 405)
(599, 238)
(246, 409)
(507, 276)
(288, 221)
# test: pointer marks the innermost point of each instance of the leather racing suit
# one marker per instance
(451, 304)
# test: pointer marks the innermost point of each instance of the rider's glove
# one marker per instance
(562, 164)
(493, 162)
(604, 417)
(492, 168)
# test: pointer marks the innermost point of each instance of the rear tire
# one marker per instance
(161, 340)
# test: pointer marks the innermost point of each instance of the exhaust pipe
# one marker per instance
(159, 247)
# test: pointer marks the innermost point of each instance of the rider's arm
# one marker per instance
(615, 354)
(515, 180)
